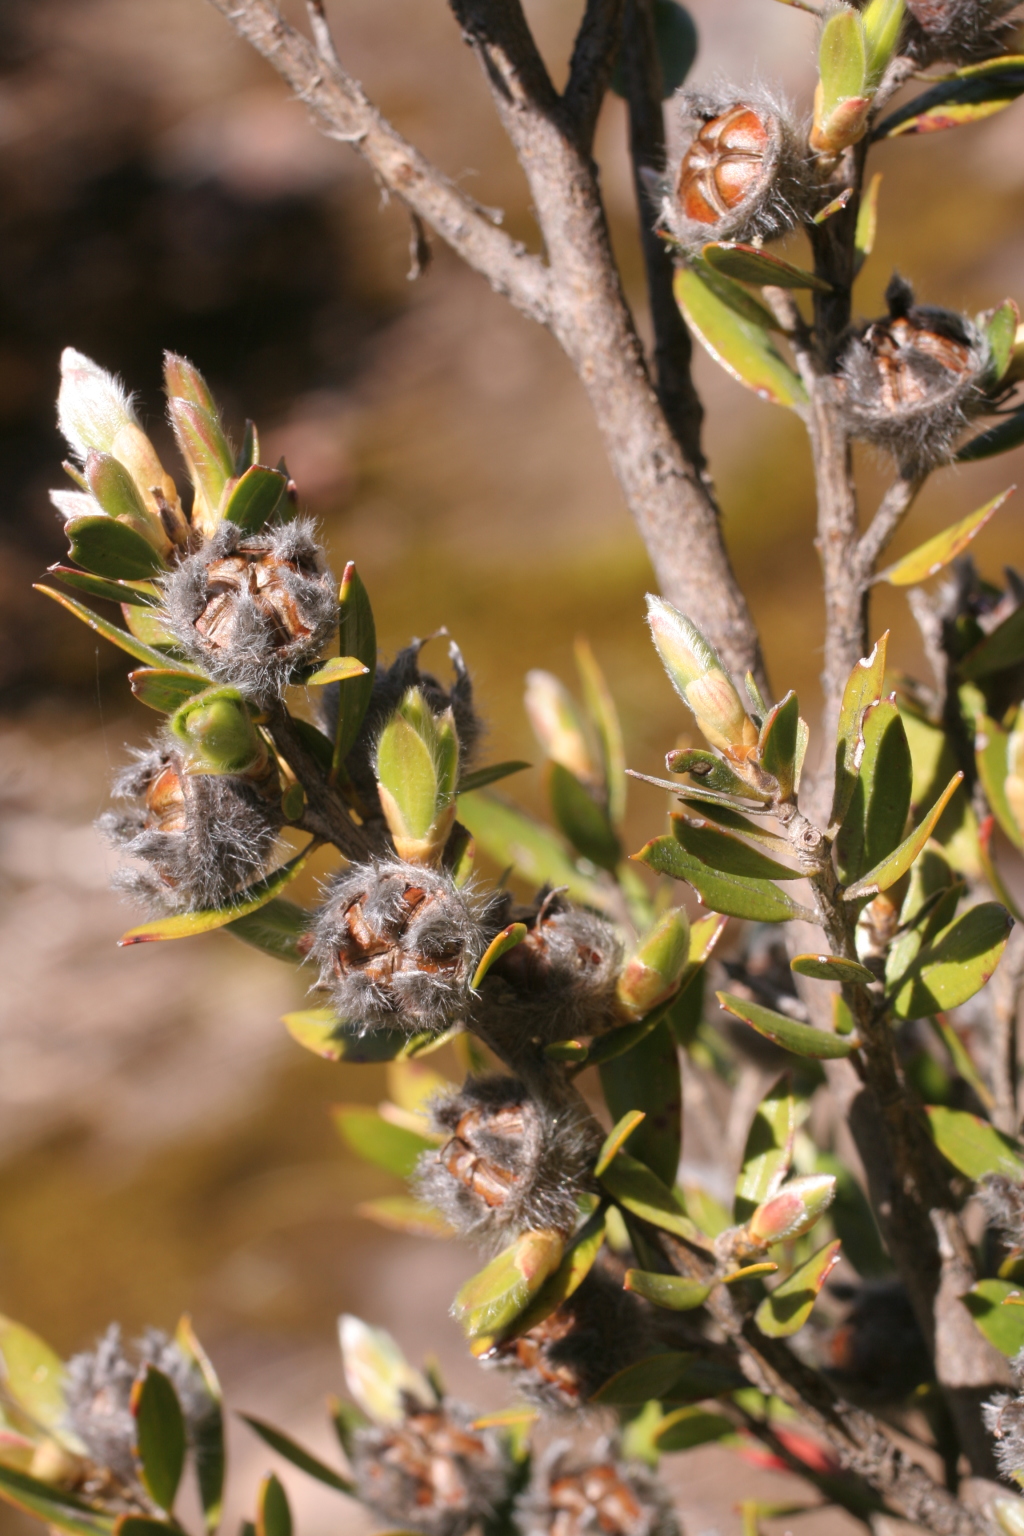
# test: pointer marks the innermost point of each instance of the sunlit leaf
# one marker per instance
(956, 963)
(896, 864)
(607, 726)
(863, 688)
(144, 594)
(867, 222)
(357, 636)
(685, 1428)
(377, 1374)
(389, 1146)
(1002, 1325)
(734, 895)
(32, 1374)
(1001, 334)
(990, 753)
(109, 548)
(832, 968)
(183, 925)
(874, 823)
(642, 1193)
(500, 945)
(673, 1292)
(580, 819)
(617, 1138)
(647, 1079)
(936, 553)
(275, 929)
(971, 94)
(972, 1145)
(489, 1302)
(255, 498)
(801, 1039)
(742, 348)
(576, 1265)
(786, 1309)
(340, 669)
(111, 632)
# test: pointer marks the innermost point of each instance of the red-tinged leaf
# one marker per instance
(184, 925)
(742, 348)
(970, 95)
(144, 594)
(750, 264)
(786, 1310)
(492, 1300)
(936, 553)
(576, 1265)
(896, 864)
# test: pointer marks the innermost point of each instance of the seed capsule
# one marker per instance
(433, 1472)
(958, 31)
(573, 1495)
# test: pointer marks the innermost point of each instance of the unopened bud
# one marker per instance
(653, 973)
(417, 768)
(53, 1463)
(217, 732)
(843, 97)
(794, 1210)
(699, 677)
(558, 725)
(118, 496)
(207, 453)
(377, 1373)
(183, 381)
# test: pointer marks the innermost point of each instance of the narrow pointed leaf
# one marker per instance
(1002, 1324)
(144, 594)
(956, 963)
(52, 1505)
(668, 1377)
(273, 1513)
(605, 719)
(899, 861)
(118, 637)
(769, 1149)
(493, 1299)
(730, 820)
(749, 1272)
(580, 819)
(1001, 335)
(743, 349)
(735, 297)
(159, 1435)
(625, 1038)
(726, 853)
(973, 93)
(617, 1138)
(786, 1310)
(801, 1039)
(673, 1292)
(642, 1193)
(183, 925)
(863, 688)
(481, 777)
(990, 753)
(500, 945)
(778, 743)
(357, 636)
(163, 688)
(732, 895)
(838, 203)
(972, 1145)
(1001, 649)
(1007, 434)
(285, 1446)
(109, 548)
(874, 823)
(710, 772)
(391, 1147)
(962, 1062)
(275, 928)
(32, 1374)
(686, 1428)
(867, 222)
(256, 497)
(832, 968)
(338, 670)
(647, 1079)
(536, 853)
(750, 264)
(208, 1450)
(401, 1213)
(935, 554)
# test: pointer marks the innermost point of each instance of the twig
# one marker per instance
(321, 31)
(891, 511)
(590, 69)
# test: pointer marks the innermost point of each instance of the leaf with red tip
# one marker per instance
(786, 1310)
(936, 553)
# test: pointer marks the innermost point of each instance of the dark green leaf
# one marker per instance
(973, 93)
(724, 852)
(956, 963)
(863, 688)
(896, 864)
(357, 636)
(322, 1032)
(1006, 434)
(853, 1220)
(314, 741)
(880, 803)
(759, 900)
(785, 1310)
(275, 928)
(580, 819)
(118, 637)
(109, 548)
(675, 38)
(673, 1292)
(642, 1193)
(750, 264)
(710, 772)
(1001, 335)
(626, 1037)
(686, 1428)
(255, 498)
(735, 297)
(536, 853)
(647, 1078)
(144, 594)
(378, 1141)
(159, 1435)
(285, 1446)
(972, 1145)
(769, 1149)
(481, 777)
(779, 744)
(1001, 649)
(164, 689)
(832, 968)
(273, 1514)
(1001, 1322)
(734, 821)
(52, 1505)
(208, 1429)
(801, 1039)
(672, 1376)
(742, 348)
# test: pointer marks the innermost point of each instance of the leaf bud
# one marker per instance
(559, 727)
(796, 1208)
(377, 1374)
(843, 97)
(653, 972)
(118, 496)
(218, 734)
(490, 1301)
(208, 457)
(699, 677)
(417, 764)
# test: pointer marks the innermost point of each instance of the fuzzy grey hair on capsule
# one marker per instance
(575, 1485)
(1004, 1420)
(958, 31)
(510, 1163)
(433, 1472)
(227, 840)
(920, 429)
(775, 201)
(253, 658)
(397, 945)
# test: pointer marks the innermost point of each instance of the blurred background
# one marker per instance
(164, 1146)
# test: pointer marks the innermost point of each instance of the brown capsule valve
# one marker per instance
(251, 568)
(724, 165)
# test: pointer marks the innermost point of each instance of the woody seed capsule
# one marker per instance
(433, 1472)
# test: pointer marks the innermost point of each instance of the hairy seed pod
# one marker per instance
(1004, 1420)
(913, 379)
(739, 168)
(433, 1472)
(593, 1495)
(199, 837)
(958, 31)
(1003, 1202)
(563, 1360)
(559, 981)
(509, 1164)
(248, 608)
(397, 945)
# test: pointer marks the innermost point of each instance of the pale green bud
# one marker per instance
(696, 671)
(218, 734)
(654, 971)
(377, 1373)
(417, 767)
(558, 725)
(794, 1210)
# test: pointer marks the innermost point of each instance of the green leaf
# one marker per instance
(750, 264)
(1002, 1324)
(1007, 434)
(357, 636)
(832, 968)
(971, 94)
(769, 1149)
(853, 1220)
(378, 1141)
(537, 854)
(607, 726)
(972, 1145)
(580, 819)
(118, 637)
(801, 1039)
(142, 1525)
(407, 770)
(778, 743)
(990, 752)
(895, 866)
(616, 1139)
(52, 1505)
(935, 554)
(492, 1300)
(109, 548)
(733, 895)
(1001, 649)
(160, 1441)
(673, 1292)
(724, 852)
(642, 1193)
(256, 497)
(500, 945)
(934, 761)
(882, 21)
(786, 1309)
(481, 777)
(163, 688)
(338, 670)
(401, 1213)
(710, 772)
(735, 297)
(710, 1216)
(647, 1079)
(144, 594)
(322, 1032)
(880, 803)
(734, 821)
(675, 38)
(842, 60)
(863, 688)
(685, 1428)
(285, 1446)
(625, 1037)
(579, 1260)
(273, 1513)
(671, 1376)
(867, 223)
(274, 928)
(183, 925)
(1001, 334)
(208, 1451)
(956, 963)
(741, 347)
(961, 1059)
(33, 1374)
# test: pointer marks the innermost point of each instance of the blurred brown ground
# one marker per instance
(163, 1145)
